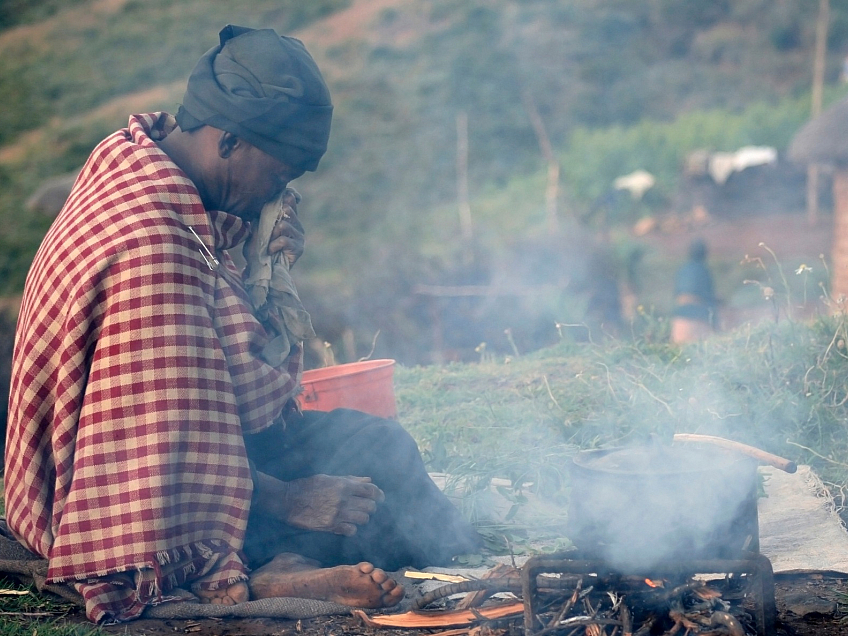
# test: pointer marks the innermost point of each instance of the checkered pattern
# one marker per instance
(136, 370)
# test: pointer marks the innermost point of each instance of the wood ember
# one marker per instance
(628, 608)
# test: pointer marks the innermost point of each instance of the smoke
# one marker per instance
(645, 500)
(641, 506)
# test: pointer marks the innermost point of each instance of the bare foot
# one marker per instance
(231, 595)
(360, 585)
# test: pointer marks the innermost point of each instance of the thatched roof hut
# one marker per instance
(824, 140)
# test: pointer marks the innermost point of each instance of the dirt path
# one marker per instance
(788, 235)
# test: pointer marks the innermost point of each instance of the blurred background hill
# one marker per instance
(399, 262)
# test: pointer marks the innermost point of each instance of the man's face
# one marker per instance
(250, 179)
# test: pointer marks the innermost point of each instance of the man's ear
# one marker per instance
(227, 143)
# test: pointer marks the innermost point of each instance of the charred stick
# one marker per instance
(587, 620)
(646, 627)
(674, 629)
(681, 618)
(566, 608)
(726, 620)
(579, 621)
(591, 611)
(475, 599)
(689, 586)
(626, 621)
(508, 584)
(511, 584)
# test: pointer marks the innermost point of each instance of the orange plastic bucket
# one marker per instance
(365, 386)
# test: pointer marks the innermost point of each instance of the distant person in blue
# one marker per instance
(695, 304)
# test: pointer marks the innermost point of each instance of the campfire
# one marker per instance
(562, 594)
(666, 544)
(712, 596)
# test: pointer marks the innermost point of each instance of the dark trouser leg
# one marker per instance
(415, 526)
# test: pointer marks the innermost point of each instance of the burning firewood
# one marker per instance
(641, 607)
(506, 584)
(590, 602)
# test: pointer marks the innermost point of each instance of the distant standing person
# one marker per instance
(694, 315)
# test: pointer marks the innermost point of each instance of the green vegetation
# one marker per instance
(24, 612)
(781, 387)
(593, 157)
(16, 12)
(620, 85)
(62, 67)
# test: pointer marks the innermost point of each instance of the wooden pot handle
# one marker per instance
(760, 455)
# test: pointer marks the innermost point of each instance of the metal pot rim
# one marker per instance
(699, 460)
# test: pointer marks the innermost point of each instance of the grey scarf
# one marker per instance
(271, 288)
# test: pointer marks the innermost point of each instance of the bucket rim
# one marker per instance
(346, 369)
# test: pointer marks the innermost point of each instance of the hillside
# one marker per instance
(618, 84)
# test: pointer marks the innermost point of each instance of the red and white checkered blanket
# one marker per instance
(137, 367)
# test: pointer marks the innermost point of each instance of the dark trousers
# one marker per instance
(415, 526)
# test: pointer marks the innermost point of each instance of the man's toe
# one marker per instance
(393, 596)
(238, 593)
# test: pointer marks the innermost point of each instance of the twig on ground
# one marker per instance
(817, 454)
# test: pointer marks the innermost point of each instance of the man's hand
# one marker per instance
(321, 503)
(288, 235)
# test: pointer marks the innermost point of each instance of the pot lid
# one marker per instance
(657, 459)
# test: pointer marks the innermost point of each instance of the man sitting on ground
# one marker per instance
(153, 439)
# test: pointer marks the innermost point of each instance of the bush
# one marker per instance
(593, 158)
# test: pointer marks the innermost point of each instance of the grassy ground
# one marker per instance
(781, 386)
(25, 612)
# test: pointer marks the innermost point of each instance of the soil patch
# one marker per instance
(789, 235)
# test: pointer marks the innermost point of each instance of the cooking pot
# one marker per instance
(633, 507)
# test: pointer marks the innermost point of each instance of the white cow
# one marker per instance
(636, 183)
(723, 164)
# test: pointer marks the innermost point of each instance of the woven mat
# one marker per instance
(800, 530)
